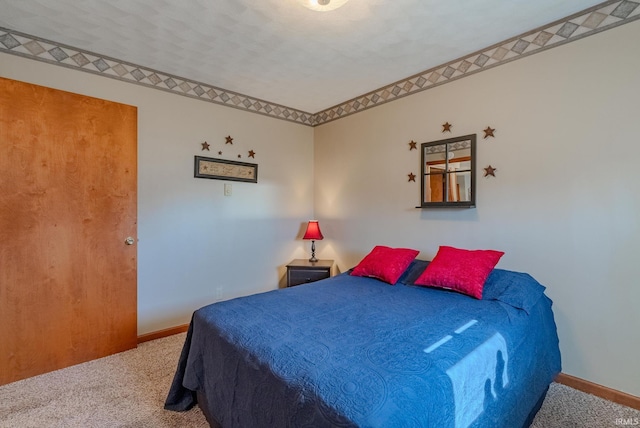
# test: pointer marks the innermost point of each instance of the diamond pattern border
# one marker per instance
(44, 50)
(599, 18)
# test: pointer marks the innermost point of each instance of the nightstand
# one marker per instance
(301, 271)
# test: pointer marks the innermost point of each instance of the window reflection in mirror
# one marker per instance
(448, 171)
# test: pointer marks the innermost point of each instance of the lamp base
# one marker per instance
(313, 252)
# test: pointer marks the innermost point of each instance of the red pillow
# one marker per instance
(464, 271)
(386, 264)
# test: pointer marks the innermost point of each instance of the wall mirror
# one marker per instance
(448, 173)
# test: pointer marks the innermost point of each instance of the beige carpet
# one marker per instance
(122, 390)
(129, 389)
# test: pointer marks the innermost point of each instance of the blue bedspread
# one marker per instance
(352, 351)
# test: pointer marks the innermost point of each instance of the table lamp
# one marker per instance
(313, 233)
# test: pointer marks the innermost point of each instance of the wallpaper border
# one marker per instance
(601, 17)
(32, 47)
(590, 21)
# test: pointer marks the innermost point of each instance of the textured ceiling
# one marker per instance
(278, 50)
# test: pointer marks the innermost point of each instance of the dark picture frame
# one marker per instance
(446, 175)
(223, 169)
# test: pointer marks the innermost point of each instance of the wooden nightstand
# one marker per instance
(301, 271)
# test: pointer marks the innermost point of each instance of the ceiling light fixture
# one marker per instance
(323, 5)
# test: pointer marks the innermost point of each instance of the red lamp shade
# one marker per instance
(313, 231)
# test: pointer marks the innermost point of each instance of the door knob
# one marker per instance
(129, 240)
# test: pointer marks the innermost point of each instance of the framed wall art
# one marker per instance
(223, 169)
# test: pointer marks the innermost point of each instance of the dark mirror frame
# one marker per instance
(423, 173)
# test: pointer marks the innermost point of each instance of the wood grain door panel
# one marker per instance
(68, 183)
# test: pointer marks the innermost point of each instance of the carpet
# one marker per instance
(128, 390)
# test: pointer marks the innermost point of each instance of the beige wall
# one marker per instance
(564, 204)
(196, 245)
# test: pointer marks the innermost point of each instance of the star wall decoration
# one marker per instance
(229, 140)
(489, 132)
(447, 127)
(490, 171)
(412, 177)
(412, 145)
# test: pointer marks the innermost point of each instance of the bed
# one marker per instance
(356, 351)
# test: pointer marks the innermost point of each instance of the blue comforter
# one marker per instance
(352, 351)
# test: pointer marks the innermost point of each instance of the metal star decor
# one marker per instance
(446, 127)
(252, 154)
(412, 177)
(490, 171)
(412, 145)
(489, 132)
(229, 140)
(205, 146)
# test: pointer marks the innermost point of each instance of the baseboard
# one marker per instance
(599, 390)
(163, 333)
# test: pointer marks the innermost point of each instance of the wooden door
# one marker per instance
(68, 183)
(436, 184)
